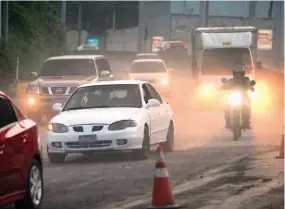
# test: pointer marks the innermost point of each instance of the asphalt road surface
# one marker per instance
(201, 143)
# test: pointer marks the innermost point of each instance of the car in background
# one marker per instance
(175, 54)
(147, 56)
(85, 49)
(59, 78)
(153, 71)
(114, 116)
(21, 168)
(176, 47)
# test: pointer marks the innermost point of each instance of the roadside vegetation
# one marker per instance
(35, 33)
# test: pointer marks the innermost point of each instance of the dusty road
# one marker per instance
(201, 144)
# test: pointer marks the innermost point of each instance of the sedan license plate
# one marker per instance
(87, 139)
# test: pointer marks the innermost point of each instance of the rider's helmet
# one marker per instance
(238, 72)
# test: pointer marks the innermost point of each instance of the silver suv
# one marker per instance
(58, 79)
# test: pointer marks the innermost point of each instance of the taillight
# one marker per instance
(185, 45)
(168, 45)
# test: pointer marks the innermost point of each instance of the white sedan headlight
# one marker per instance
(33, 90)
(57, 128)
(164, 81)
(235, 99)
(122, 124)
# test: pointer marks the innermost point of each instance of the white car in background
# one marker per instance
(152, 70)
(147, 56)
(110, 116)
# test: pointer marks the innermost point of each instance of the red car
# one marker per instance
(21, 170)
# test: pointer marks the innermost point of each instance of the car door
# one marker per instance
(11, 149)
(163, 115)
(153, 114)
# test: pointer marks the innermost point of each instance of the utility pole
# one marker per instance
(5, 21)
(114, 20)
(63, 11)
(141, 27)
(252, 13)
(1, 21)
(204, 13)
(79, 23)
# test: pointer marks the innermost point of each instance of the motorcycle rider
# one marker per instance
(241, 82)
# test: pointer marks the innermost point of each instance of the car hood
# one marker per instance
(95, 116)
(63, 80)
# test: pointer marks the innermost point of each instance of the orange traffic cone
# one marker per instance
(281, 152)
(162, 196)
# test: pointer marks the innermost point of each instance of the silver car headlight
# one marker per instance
(33, 90)
(57, 128)
(122, 124)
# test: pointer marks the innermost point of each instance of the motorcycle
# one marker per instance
(235, 102)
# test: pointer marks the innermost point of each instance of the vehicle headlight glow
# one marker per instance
(164, 81)
(235, 99)
(31, 101)
(206, 89)
(122, 124)
(33, 90)
(57, 128)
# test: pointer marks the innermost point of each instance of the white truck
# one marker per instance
(215, 52)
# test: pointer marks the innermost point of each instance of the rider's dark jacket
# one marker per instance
(241, 83)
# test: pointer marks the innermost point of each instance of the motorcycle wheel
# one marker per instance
(236, 126)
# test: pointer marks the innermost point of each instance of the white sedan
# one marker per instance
(110, 116)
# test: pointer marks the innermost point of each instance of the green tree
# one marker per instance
(35, 33)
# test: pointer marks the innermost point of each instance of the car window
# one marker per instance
(146, 93)
(66, 67)
(154, 93)
(105, 96)
(7, 113)
(102, 65)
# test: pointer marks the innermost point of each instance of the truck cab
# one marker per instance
(215, 52)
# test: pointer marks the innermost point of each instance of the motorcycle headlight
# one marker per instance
(164, 81)
(57, 128)
(121, 125)
(235, 99)
(33, 90)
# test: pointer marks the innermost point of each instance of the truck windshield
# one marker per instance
(221, 61)
(68, 67)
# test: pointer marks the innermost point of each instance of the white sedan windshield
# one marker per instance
(105, 96)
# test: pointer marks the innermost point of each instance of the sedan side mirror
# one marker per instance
(153, 103)
(34, 75)
(57, 107)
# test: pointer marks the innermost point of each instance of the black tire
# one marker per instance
(168, 146)
(143, 153)
(236, 125)
(27, 201)
(56, 158)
